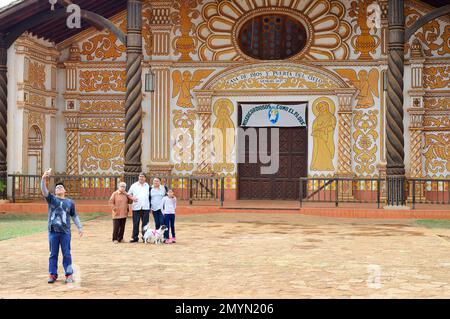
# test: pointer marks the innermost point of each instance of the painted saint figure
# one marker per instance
(223, 134)
(323, 137)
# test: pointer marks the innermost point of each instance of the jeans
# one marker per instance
(55, 240)
(137, 216)
(169, 220)
(159, 218)
(118, 228)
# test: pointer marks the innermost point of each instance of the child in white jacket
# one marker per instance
(169, 204)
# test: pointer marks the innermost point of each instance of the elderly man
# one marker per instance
(139, 193)
(60, 209)
(119, 206)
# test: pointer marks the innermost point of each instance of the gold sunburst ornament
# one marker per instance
(322, 19)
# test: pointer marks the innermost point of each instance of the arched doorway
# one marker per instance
(35, 146)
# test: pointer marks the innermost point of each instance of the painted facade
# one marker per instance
(67, 110)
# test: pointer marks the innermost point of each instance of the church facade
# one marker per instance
(211, 63)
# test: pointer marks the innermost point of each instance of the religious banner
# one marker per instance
(273, 115)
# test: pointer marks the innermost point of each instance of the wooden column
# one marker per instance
(133, 102)
(395, 139)
(3, 112)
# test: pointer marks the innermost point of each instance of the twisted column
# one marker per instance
(3, 112)
(133, 102)
(395, 139)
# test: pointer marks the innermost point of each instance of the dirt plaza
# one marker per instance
(241, 255)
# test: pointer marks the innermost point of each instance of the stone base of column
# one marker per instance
(396, 190)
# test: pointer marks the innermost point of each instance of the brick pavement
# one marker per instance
(242, 256)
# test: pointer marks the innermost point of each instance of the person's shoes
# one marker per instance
(174, 240)
(116, 242)
(143, 240)
(167, 241)
(134, 241)
(52, 279)
(69, 280)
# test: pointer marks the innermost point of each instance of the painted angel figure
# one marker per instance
(183, 84)
(366, 83)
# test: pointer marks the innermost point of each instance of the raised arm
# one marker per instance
(43, 182)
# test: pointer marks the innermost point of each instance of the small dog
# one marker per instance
(154, 236)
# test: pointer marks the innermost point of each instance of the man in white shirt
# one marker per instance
(141, 206)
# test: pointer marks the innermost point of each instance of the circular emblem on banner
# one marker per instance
(274, 116)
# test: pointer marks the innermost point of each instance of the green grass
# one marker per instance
(12, 226)
(434, 223)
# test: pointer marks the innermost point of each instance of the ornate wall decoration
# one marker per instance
(184, 83)
(323, 19)
(183, 148)
(437, 121)
(365, 141)
(364, 43)
(275, 78)
(416, 152)
(102, 106)
(223, 135)
(437, 154)
(72, 153)
(147, 34)
(366, 83)
(36, 75)
(104, 46)
(102, 124)
(323, 129)
(185, 44)
(101, 152)
(434, 36)
(437, 103)
(92, 81)
(436, 77)
(37, 119)
(35, 100)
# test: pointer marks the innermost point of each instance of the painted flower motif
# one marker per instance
(323, 20)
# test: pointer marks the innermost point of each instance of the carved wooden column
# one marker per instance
(395, 130)
(203, 129)
(3, 112)
(133, 102)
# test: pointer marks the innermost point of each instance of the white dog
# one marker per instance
(154, 236)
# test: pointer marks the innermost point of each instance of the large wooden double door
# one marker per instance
(284, 184)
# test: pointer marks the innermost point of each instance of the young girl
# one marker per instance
(169, 203)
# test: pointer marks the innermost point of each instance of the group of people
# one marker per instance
(143, 199)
